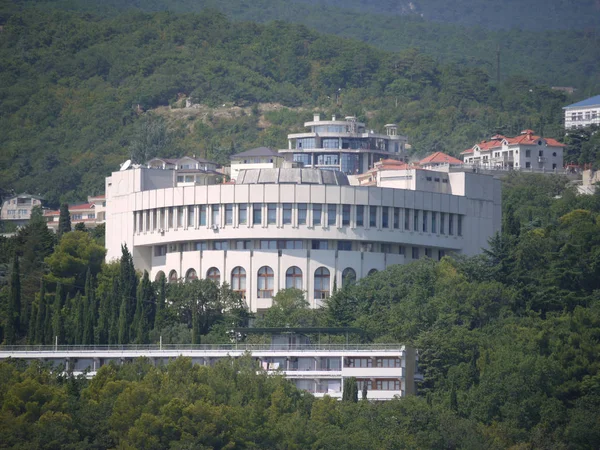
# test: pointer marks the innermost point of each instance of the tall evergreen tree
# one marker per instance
(122, 333)
(31, 333)
(80, 309)
(58, 326)
(40, 331)
(161, 299)
(128, 283)
(64, 220)
(89, 313)
(143, 310)
(48, 335)
(113, 327)
(13, 326)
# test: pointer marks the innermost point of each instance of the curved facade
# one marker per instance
(263, 237)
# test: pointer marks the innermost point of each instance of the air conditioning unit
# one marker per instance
(161, 231)
(215, 228)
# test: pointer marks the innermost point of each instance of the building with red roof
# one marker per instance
(439, 159)
(90, 214)
(526, 151)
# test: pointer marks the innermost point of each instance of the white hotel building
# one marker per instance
(303, 228)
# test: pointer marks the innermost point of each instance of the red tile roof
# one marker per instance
(440, 158)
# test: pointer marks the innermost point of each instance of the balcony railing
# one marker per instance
(198, 347)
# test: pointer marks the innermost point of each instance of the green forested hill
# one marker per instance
(551, 42)
(73, 87)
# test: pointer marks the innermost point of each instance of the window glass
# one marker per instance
(293, 278)
(345, 215)
(373, 216)
(214, 274)
(360, 215)
(287, 213)
(320, 244)
(202, 218)
(265, 282)
(216, 218)
(396, 218)
(302, 208)
(228, 214)
(190, 220)
(385, 217)
(257, 214)
(331, 214)
(425, 218)
(317, 209)
(243, 214)
(348, 276)
(321, 283)
(344, 245)
(271, 213)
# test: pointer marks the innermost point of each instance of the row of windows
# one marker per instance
(300, 214)
(372, 362)
(266, 279)
(378, 384)
(314, 244)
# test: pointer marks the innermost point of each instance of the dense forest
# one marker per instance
(560, 49)
(508, 343)
(78, 93)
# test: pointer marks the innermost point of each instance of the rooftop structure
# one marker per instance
(188, 170)
(302, 228)
(346, 145)
(255, 158)
(439, 159)
(583, 113)
(525, 151)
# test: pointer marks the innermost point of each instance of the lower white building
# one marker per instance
(302, 228)
(387, 370)
(583, 113)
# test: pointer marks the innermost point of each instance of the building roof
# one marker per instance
(440, 158)
(292, 176)
(527, 137)
(80, 207)
(255, 152)
(592, 101)
(10, 197)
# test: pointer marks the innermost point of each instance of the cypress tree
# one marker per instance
(79, 318)
(14, 305)
(161, 299)
(58, 326)
(48, 336)
(64, 220)
(40, 331)
(122, 336)
(350, 391)
(31, 335)
(128, 283)
(113, 329)
(103, 319)
(89, 312)
(143, 308)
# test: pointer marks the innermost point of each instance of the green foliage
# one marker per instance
(64, 221)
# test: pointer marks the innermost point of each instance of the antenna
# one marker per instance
(125, 165)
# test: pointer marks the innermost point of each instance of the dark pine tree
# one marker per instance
(122, 333)
(89, 312)
(161, 299)
(13, 321)
(64, 220)
(40, 331)
(58, 325)
(113, 327)
(128, 283)
(31, 337)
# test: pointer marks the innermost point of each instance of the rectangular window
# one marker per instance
(396, 218)
(459, 225)
(451, 224)
(220, 245)
(527, 153)
(428, 252)
(243, 214)
(358, 362)
(317, 209)
(160, 250)
(361, 382)
(415, 220)
(302, 208)
(162, 218)
(387, 385)
(373, 216)
(331, 215)
(442, 223)
(360, 215)
(401, 250)
(170, 218)
(243, 245)
(344, 245)
(388, 362)
(202, 218)
(271, 213)
(345, 215)
(433, 222)
(257, 214)
(424, 221)
(407, 219)
(415, 253)
(180, 217)
(228, 214)
(268, 245)
(320, 244)
(386, 248)
(441, 254)
(290, 245)
(200, 245)
(385, 211)
(154, 219)
(287, 213)
(190, 220)
(216, 217)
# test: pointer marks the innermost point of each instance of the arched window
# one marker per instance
(293, 278)
(321, 283)
(372, 271)
(214, 275)
(191, 275)
(159, 275)
(348, 276)
(238, 280)
(266, 282)
(173, 276)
